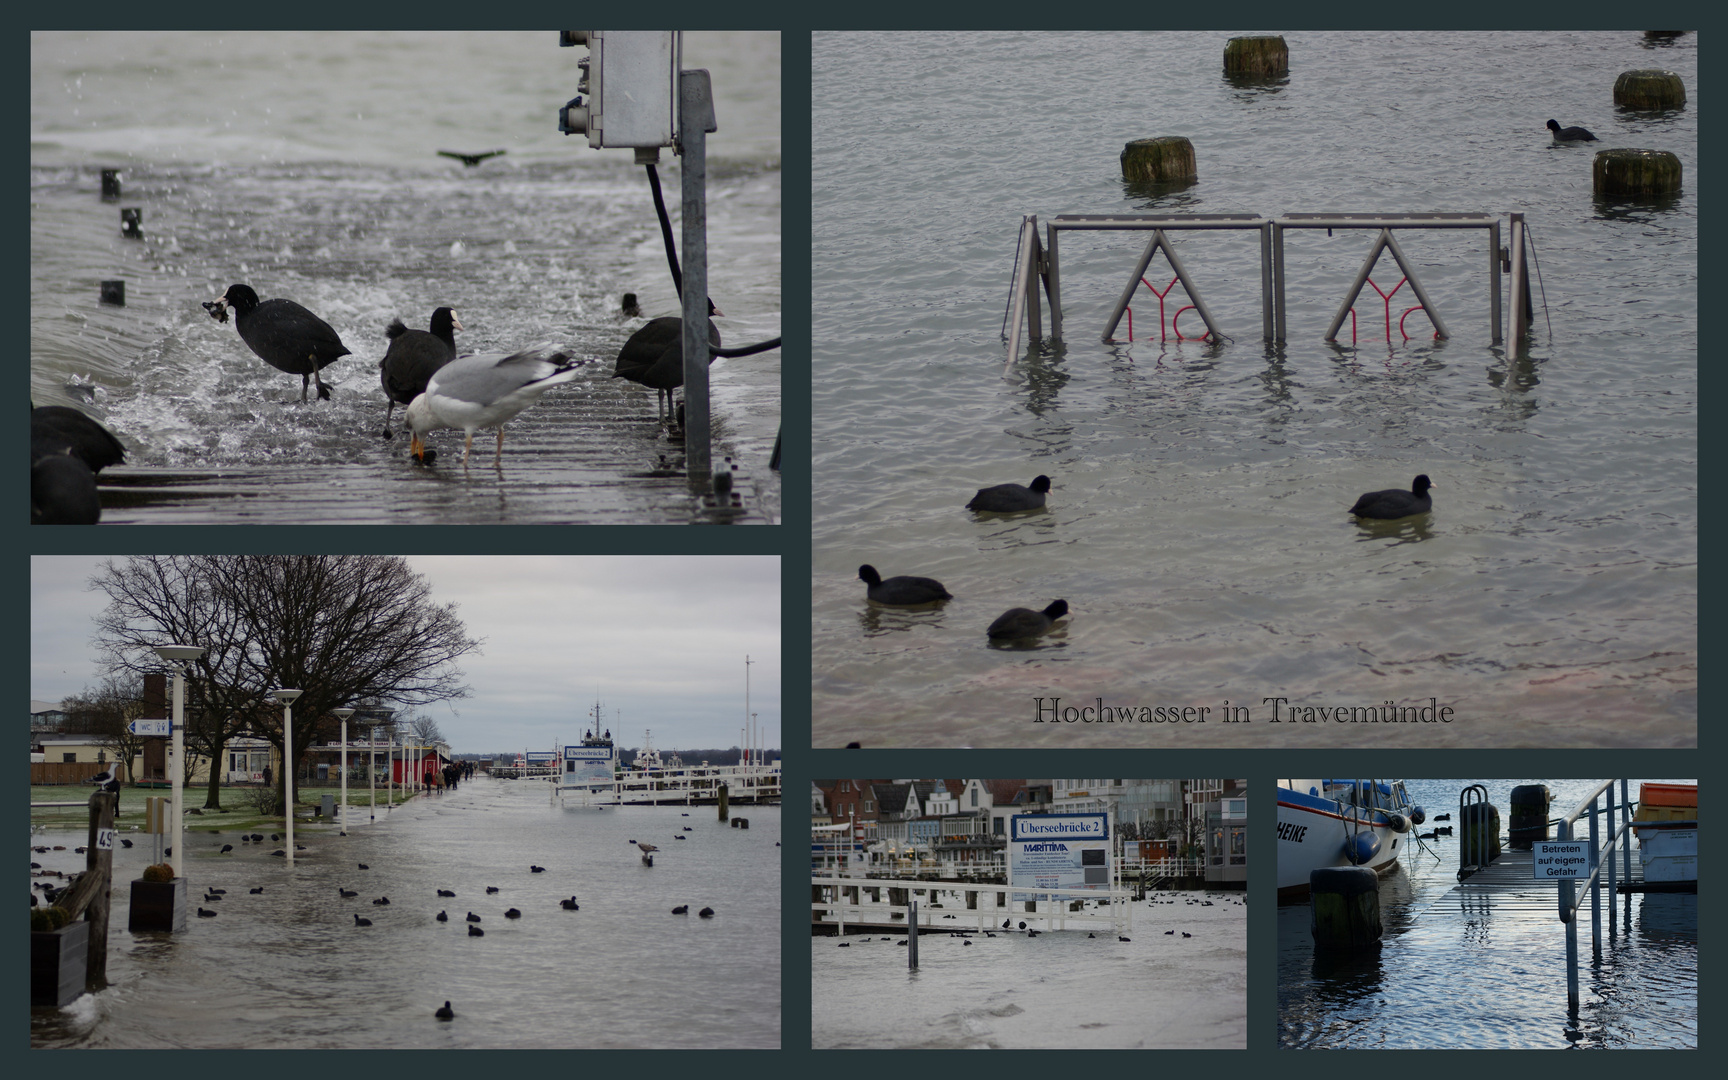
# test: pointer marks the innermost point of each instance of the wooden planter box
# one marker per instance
(158, 905)
(57, 962)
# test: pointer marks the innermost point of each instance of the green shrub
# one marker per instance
(48, 918)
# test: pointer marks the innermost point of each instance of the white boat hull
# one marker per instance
(1318, 828)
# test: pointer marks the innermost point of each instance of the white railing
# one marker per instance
(862, 903)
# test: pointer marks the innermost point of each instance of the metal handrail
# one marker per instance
(1569, 901)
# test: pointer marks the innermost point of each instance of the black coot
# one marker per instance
(67, 450)
(63, 492)
(654, 355)
(630, 309)
(1396, 503)
(1570, 134)
(1024, 622)
(413, 357)
(445, 1013)
(1008, 498)
(59, 429)
(284, 335)
(901, 591)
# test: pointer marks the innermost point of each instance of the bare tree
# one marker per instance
(343, 629)
(425, 730)
(105, 711)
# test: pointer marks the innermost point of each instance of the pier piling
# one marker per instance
(1345, 909)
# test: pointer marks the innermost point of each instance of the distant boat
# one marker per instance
(1324, 823)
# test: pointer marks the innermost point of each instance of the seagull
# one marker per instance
(647, 848)
(485, 391)
(106, 780)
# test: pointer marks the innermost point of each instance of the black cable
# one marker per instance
(677, 275)
(666, 231)
(747, 350)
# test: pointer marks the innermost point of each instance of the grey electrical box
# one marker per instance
(628, 93)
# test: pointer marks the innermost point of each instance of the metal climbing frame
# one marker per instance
(1386, 223)
(1040, 260)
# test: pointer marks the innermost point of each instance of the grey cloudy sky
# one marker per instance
(660, 639)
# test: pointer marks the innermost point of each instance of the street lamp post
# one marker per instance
(178, 655)
(286, 697)
(372, 768)
(343, 715)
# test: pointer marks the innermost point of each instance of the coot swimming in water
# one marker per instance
(1008, 498)
(1570, 134)
(1024, 623)
(414, 357)
(1396, 503)
(901, 591)
(283, 334)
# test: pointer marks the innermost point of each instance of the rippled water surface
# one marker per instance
(1197, 526)
(1456, 972)
(289, 968)
(329, 192)
(1060, 990)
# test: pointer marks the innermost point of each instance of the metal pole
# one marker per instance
(1266, 330)
(1053, 282)
(1494, 321)
(1520, 285)
(1034, 316)
(372, 770)
(1595, 888)
(176, 766)
(1278, 281)
(1017, 298)
(911, 933)
(1567, 893)
(695, 119)
(288, 772)
(1626, 848)
(1612, 891)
